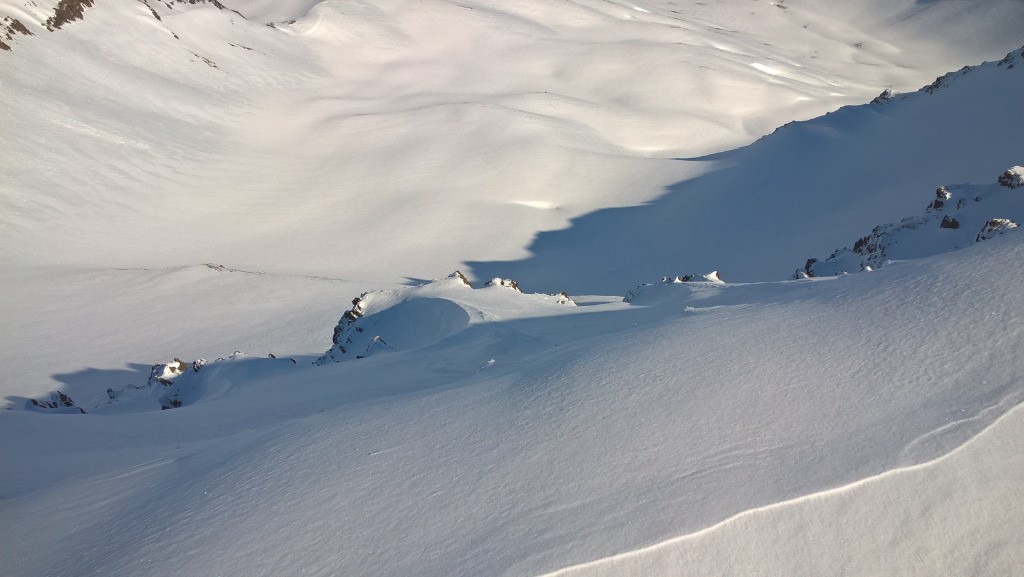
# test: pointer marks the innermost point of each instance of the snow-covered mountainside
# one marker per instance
(956, 218)
(193, 192)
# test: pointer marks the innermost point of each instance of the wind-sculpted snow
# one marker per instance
(814, 534)
(319, 150)
(540, 436)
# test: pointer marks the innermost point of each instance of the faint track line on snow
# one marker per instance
(222, 268)
(582, 568)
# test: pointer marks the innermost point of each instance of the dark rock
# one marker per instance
(505, 282)
(58, 400)
(67, 11)
(1012, 178)
(883, 98)
(948, 222)
(461, 277)
(995, 227)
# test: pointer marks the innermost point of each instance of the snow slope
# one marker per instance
(358, 143)
(597, 430)
(185, 180)
(753, 212)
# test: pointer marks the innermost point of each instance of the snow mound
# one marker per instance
(411, 323)
(416, 317)
(957, 217)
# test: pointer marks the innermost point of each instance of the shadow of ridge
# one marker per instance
(762, 210)
(86, 388)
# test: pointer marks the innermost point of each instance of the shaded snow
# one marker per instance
(365, 148)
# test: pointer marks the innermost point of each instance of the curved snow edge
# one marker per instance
(1016, 411)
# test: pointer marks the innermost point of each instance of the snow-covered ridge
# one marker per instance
(379, 321)
(813, 386)
(415, 317)
(756, 426)
(756, 211)
(958, 217)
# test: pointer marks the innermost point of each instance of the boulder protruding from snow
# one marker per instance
(166, 373)
(58, 402)
(564, 299)
(708, 277)
(416, 317)
(505, 282)
(885, 97)
(344, 330)
(700, 280)
(1012, 178)
(949, 222)
(995, 227)
(457, 275)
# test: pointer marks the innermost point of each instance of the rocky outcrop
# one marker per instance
(505, 282)
(711, 278)
(995, 227)
(165, 374)
(949, 223)
(9, 28)
(345, 330)
(58, 402)
(67, 11)
(708, 277)
(1012, 178)
(461, 278)
(884, 98)
(388, 321)
(940, 83)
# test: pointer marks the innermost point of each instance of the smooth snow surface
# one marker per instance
(597, 430)
(191, 197)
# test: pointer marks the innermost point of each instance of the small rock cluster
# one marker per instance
(872, 251)
(708, 278)
(58, 401)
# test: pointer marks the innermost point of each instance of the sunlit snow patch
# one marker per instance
(766, 69)
(541, 204)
